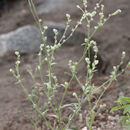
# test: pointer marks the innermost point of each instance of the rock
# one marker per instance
(25, 39)
(3, 48)
(77, 38)
(28, 39)
(50, 6)
(121, 94)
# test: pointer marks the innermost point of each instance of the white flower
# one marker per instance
(16, 53)
(41, 46)
(55, 31)
(87, 60)
(123, 53)
(18, 62)
(78, 6)
(40, 20)
(11, 70)
(114, 68)
(93, 13)
(96, 62)
(45, 27)
(68, 15)
(74, 94)
(97, 5)
(96, 27)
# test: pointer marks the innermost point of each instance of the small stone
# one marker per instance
(111, 118)
(80, 117)
(117, 117)
(85, 128)
(121, 94)
(102, 124)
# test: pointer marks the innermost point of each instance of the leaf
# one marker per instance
(124, 118)
(126, 99)
(123, 100)
(127, 125)
(126, 109)
(116, 108)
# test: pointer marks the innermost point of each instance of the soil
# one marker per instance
(14, 107)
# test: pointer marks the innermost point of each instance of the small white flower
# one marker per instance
(85, 3)
(74, 94)
(96, 27)
(38, 67)
(79, 23)
(66, 83)
(41, 46)
(93, 13)
(123, 53)
(48, 46)
(40, 20)
(78, 6)
(46, 59)
(96, 62)
(100, 13)
(87, 60)
(16, 53)
(45, 27)
(102, 6)
(114, 67)
(97, 5)
(18, 62)
(93, 42)
(42, 33)
(11, 70)
(68, 15)
(100, 24)
(95, 49)
(55, 31)
(105, 20)
(52, 48)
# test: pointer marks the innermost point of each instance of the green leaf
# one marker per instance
(116, 108)
(127, 125)
(126, 99)
(126, 109)
(124, 118)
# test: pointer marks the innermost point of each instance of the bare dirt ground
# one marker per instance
(113, 38)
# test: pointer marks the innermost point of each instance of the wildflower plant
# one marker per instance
(49, 86)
